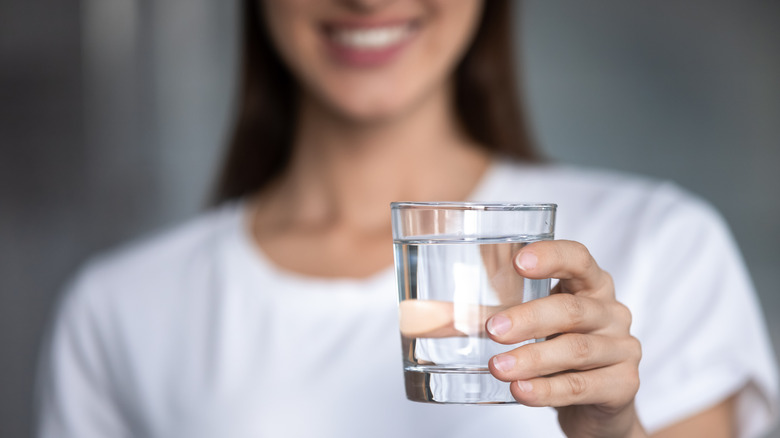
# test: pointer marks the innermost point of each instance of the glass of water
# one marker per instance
(454, 268)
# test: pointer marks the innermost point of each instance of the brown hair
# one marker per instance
(261, 146)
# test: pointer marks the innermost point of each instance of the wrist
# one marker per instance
(637, 430)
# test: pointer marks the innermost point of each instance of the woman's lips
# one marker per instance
(368, 45)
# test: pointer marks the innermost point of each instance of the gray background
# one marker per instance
(113, 113)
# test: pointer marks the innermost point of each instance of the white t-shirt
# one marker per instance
(195, 333)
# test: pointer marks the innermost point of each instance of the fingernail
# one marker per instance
(526, 261)
(524, 386)
(499, 325)
(504, 362)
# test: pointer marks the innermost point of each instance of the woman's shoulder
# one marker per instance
(591, 189)
(578, 179)
(599, 206)
(151, 263)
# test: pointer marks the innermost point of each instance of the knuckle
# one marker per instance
(574, 308)
(532, 357)
(632, 381)
(580, 347)
(623, 315)
(577, 385)
(609, 281)
(635, 382)
(636, 350)
(583, 260)
(544, 392)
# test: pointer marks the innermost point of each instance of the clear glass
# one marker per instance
(454, 270)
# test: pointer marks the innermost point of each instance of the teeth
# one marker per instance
(374, 38)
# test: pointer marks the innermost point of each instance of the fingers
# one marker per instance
(566, 352)
(569, 261)
(558, 313)
(609, 387)
(593, 359)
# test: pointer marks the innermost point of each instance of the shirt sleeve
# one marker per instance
(75, 397)
(700, 323)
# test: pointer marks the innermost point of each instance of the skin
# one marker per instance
(368, 136)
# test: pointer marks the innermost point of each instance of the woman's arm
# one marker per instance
(74, 393)
(715, 422)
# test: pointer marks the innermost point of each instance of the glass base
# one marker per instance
(473, 386)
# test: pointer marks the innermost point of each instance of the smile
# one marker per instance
(362, 45)
(371, 38)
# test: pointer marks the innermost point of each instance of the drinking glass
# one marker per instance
(454, 268)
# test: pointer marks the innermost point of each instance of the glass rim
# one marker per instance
(476, 206)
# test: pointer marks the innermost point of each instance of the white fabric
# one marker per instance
(195, 334)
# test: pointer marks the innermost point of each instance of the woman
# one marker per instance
(274, 314)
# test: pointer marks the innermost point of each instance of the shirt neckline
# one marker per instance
(258, 261)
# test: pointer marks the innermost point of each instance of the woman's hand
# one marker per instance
(588, 367)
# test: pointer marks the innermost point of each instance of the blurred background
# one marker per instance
(113, 114)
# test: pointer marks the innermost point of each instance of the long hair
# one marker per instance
(261, 145)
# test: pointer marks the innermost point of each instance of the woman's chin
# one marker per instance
(378, 103)
(367, 115)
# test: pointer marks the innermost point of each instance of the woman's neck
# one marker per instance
(346, 173)
(329, 214)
